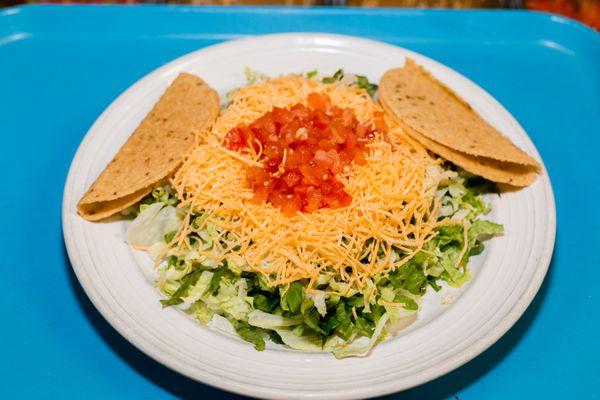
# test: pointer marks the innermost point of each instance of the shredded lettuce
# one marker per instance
(319, 301)
(357, 350)
(265, 320)
(175, 299)
(252, 335)
(222, 324)
(337, 76)
(292, 298)
(218, 289)
(298, 342)
(151, 225)
(359, 81)
(195, 292)
(482, 229)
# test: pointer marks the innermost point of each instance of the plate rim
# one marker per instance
(474, 349)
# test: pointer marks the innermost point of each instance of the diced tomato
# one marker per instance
(256, 175)
(323, 159)
(233, 140)
(291, 179)
(327, 144)
(318, 101)
(346, 156)
(300, 112)
(305, 148)
(321, 119)
(281, 115)
(261, 194)
(351, 141)
(292, 204)
(311, 174)
(326, 188)
(272, 164)
(360, 157)
(313, 199)
(338, 131)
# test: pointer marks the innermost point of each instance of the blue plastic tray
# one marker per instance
(60, 66)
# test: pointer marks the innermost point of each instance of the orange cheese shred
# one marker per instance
(393, 203)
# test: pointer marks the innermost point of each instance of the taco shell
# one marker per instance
(432, 110)
(154, 150)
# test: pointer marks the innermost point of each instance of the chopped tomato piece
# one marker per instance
(304, 150)
(318, 101)
(291, 179)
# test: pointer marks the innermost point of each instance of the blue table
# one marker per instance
(61, 66)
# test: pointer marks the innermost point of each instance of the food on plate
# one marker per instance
(154, 150)
(496, 171)
(448, 126)
(313, 216)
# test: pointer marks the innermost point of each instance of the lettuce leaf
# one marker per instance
(188, 281)
(292, 298)
(222, 324)
(359, 350)
(303, 343)
(151, 225)
(319, 301)
(483, 229)
(252, 335)
(265, 320)
(221, 291)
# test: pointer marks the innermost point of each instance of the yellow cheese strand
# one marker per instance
(391, 204)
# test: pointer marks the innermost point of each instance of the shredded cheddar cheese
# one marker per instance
(393, 203)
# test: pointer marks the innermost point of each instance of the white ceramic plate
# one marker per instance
(118, 279)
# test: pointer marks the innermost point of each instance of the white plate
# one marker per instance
(118, 280)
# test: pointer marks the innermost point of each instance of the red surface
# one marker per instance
(586, 11)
